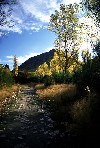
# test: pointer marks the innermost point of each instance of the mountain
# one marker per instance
(32, 63)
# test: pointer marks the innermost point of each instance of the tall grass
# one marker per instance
(58, 97)
(57, 92)
(7, 91)
(81, 114)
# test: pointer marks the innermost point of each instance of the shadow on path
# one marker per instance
(25, 124)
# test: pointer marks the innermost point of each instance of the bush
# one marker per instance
(88, 75)
(62, 77)
(6, 77)
(48, 80)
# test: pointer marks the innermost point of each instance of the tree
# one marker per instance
(86, 56)
(65, 23)
(92, 7)
(6, 78)
(58, 62)
(97, 49)
(7, 66)
(15, 66)
(43, 70)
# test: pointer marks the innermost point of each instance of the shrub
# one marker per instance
(62, 77)
(6, 77)
(48, 80)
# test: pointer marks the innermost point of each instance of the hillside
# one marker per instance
(32, 63)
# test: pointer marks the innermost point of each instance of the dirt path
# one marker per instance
(25, 124)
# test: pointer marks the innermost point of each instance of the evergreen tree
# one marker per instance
(15, 66)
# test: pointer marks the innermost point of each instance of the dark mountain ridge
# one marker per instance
(32, 63)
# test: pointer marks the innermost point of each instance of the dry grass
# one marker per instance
(57, 91)
(80, 110)
(6, 92)
(39, 86)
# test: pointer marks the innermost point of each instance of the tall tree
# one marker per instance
(15, 69)
(92, 7)
(64, 24)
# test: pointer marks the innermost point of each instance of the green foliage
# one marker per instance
(56, 69)
(88, 75)
(48, 80)
(62, 77)
(92, 6)
(86, 56)
(58, 77)
(96, 49)
(82, 77)
(6, 77)
(25, 77)
(21, 77)
(95, 74)
(65, 23)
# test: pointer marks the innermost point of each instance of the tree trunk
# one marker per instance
(66, 56)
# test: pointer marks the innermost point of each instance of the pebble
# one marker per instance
(20, 138)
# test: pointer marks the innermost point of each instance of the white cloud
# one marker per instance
(71, 1)
(21, 59)
(38, 11)
(48, 49)
(10, 57)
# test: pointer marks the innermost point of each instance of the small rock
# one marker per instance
(20, 138)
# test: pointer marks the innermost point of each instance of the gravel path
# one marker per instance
(25, 123)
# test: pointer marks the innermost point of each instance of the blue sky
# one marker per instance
(29, 36)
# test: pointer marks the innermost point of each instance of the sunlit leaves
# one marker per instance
(43, 70)
(57, 64)
(64, 24)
